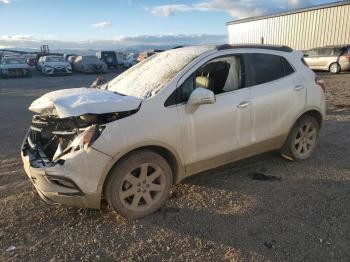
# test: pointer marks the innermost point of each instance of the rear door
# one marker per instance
(278, 96)
(326, 57)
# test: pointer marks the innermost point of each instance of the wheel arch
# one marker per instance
(334, 62)
(314, 112)
(168, 154)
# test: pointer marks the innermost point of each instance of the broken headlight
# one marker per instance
(86, 138)
(82, 141)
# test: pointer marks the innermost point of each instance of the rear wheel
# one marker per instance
(334, 68)
(302, 139)
(139, 185)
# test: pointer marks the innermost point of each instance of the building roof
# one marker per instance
(317, 7)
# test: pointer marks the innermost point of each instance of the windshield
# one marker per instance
(150, 76)
(13, 61)
(90, 58)
(54, 59)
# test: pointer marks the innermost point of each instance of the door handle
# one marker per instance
(299, 87)
(244, 104)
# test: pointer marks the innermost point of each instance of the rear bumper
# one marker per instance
(72, 181)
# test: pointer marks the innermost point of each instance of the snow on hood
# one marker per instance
(80, 101)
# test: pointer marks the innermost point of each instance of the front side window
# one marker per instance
(264, 68)
(220, 75)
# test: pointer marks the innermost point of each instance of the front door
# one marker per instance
(212, 132)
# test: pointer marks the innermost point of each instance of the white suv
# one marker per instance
(175, 114)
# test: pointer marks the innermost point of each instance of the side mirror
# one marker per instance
(201, 96)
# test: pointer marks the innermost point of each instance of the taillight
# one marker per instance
(320, 82)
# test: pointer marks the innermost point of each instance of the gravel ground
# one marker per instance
(299, 212)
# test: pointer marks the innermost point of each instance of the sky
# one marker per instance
(124, 23)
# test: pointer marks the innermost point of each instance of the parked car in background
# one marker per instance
(89, 64)
(31, 61)
(130, 60)
(53, 65)
(14, 67)
(176, 114)
(39, 55)
(121, 57)
(330, 58)
(144, 55)
(67, 56)
(109, 57)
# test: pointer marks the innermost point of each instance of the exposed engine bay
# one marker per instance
(51, 137)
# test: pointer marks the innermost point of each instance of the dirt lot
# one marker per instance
(301, 212)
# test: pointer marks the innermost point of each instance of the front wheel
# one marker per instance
(139, 185)
(334, 68)
(302, 139)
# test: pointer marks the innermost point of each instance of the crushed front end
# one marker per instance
(59, 159)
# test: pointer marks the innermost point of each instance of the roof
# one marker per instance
(317, 7)
(268, 47)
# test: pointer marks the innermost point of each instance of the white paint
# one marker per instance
(80, 101)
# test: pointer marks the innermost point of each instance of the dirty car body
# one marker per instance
(196, 107)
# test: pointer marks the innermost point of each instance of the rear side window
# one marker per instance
(338, 51)
(325, 51)
(264, 68)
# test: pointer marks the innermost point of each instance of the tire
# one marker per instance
(302, 139)
(334, 68)
(139, 184)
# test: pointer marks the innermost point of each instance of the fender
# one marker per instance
(180, 163)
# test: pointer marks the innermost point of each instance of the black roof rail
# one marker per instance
(282, 48)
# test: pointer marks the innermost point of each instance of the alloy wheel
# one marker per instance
(334, 68)
(305, 139)
(142, 187)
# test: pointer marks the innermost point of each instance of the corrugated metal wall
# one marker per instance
(301, 31)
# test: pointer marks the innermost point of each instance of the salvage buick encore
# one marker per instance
(175, 114)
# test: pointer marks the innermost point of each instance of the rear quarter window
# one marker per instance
(264, 68)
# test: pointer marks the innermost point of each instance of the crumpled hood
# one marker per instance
(79, 101)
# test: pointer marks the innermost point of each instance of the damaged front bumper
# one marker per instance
(72, 180)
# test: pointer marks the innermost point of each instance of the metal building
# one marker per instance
(300, 29)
